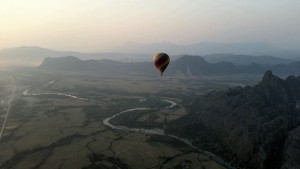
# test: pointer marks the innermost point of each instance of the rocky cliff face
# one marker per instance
(254, 127)
(292, 150)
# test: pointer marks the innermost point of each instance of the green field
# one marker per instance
(56, 131)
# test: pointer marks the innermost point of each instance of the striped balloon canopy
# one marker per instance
(161, 62)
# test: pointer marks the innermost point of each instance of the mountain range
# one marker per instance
(255, 127)
(237, 53)
(183, 66)
(34, 55)
(208, 48)
(246, 59)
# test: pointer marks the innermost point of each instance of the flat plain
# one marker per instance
(56, 120)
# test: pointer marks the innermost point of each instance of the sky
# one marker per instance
(99, 25)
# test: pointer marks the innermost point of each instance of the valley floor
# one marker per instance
(49, 130)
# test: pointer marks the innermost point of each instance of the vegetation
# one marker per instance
(242, 123)
(63, 132)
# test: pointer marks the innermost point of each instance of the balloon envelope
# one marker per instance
(161, 61)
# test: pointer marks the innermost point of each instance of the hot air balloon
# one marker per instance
(161, 62)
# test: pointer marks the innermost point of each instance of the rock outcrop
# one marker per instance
(253, 127)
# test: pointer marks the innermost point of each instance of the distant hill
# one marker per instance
(208, 48)
(183, 66)
(131, 52)
(33, 55)
(74, 64)
(246, 59)
(26, 56)
(186, 66)
(196, 66)
(254, 127)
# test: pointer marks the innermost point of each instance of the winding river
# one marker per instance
(157, 131)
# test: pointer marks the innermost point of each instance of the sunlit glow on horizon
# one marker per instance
(96, 25)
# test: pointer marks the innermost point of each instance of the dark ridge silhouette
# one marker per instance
(246, 59)
(185, 65)
(254, 127)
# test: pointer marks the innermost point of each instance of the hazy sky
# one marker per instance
(94, 25)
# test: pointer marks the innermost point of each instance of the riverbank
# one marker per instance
(161, 132)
